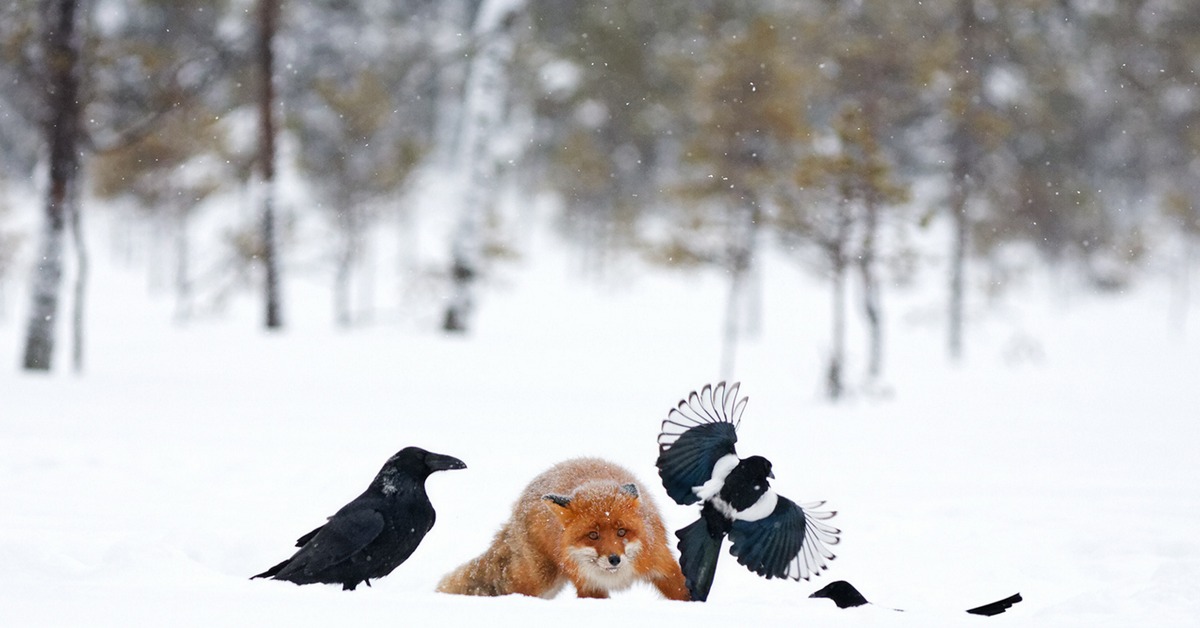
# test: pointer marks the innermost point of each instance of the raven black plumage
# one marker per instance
(770, 535)
(846, 596)
(373, 534)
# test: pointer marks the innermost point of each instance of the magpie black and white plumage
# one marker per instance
(373, 534)
(845, 595)
(770, 535)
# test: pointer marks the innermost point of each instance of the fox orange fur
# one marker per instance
(584, 521)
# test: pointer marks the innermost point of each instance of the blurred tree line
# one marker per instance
(693, 132)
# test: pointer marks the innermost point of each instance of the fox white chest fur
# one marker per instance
(613, 572)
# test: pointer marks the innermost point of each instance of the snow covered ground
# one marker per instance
(1059, 461)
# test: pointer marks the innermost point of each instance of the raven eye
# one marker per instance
(620, 531)
(593, 535)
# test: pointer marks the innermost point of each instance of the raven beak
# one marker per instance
(440, 462)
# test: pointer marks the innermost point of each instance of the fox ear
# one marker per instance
(558, 500)
(630, 489)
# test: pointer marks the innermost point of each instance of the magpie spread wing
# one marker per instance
(345, 534)
(791, 542)
(697, 433)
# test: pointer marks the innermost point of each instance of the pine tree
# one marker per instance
(749, 125)
(875, 65)
(606, 84)
(363, 121)
(168, 173)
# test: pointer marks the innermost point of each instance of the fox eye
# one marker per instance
(593, 535)
(620, 531)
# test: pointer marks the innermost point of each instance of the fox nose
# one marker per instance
(614, 560)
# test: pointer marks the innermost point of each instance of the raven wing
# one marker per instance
(345, 534)
(788, 543)
(307, 537)
(697, 433)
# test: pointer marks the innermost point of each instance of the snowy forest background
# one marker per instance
(400, 152)
(251, 248)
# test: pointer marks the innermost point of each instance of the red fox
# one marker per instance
(584, 521)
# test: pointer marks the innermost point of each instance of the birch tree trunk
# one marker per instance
(966, 87)
(350, 234)
(268, 22)
(744, 246)
(82, 268)
(958, 262)
(183, 274)
(454, 18)
(835, 382)
(872, 304)
(1182, 294)
(873, 202)
(60, 21)
(834, 375)
(483, 112)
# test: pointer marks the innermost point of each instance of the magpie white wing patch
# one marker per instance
(792, 542)
(818, 535)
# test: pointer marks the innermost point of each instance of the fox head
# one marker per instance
(602, 530)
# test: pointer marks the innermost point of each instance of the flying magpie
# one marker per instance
(374, 533)
(770, 535)
(846, 596)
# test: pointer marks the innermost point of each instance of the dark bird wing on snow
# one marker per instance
(846, 596)
(699, 549)
(997, 607)
(695, 435)
(308, 537)
(337, 541)
(791, 542)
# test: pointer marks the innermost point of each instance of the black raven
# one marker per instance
(846, 596)
(372, 535)
(770, 535)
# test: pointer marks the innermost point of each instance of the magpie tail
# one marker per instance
(698, 553)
